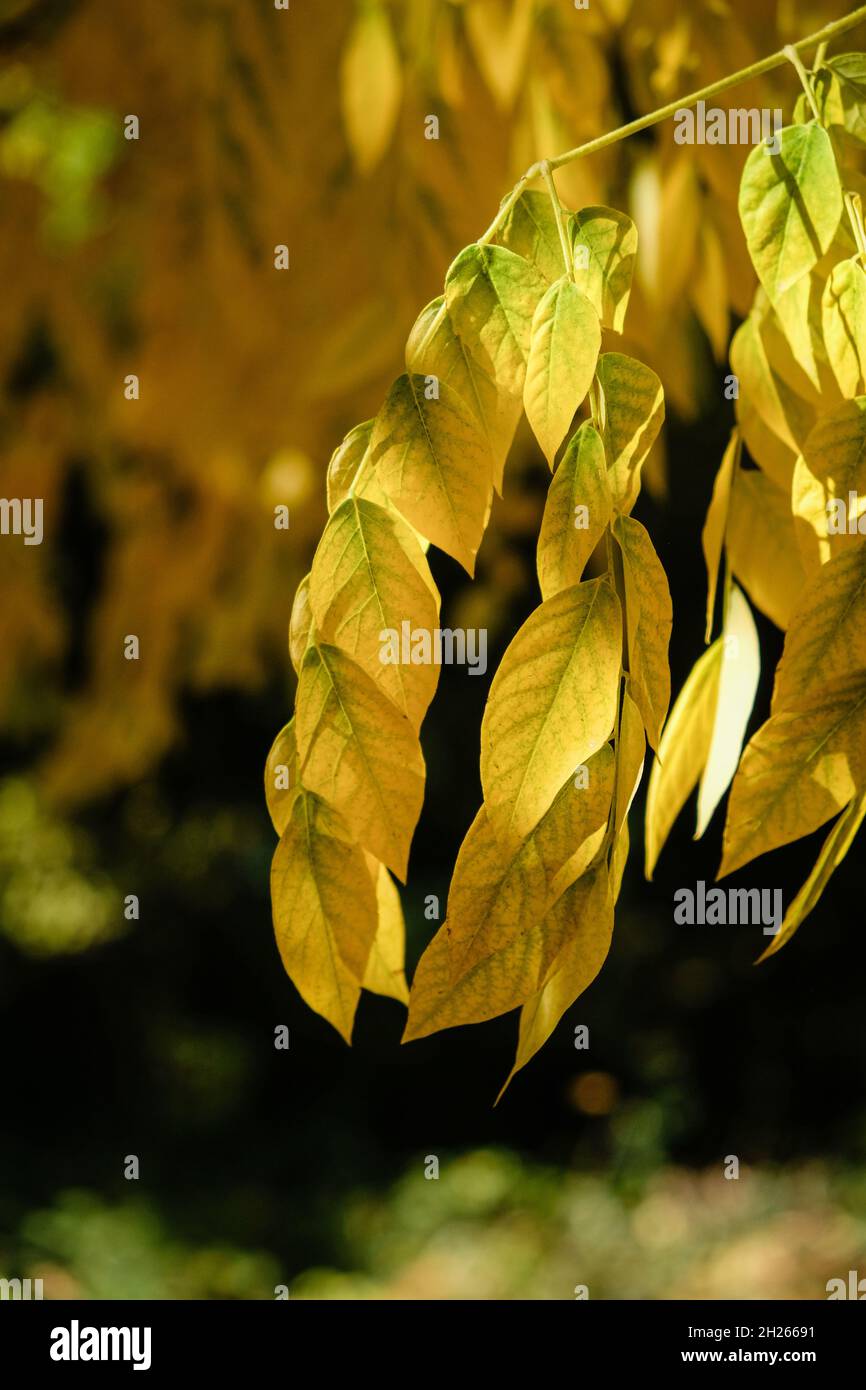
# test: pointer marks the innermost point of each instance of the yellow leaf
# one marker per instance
(432, 461)
(683, 751)
(499, 35)
(738, 682)
(774, 421)
(385, 967)
(630, 754)
(634, 409)
(576, 512)
(588, 908)
(491, 296)
(551, 705)
(371, 84)
(369, 576)
(762, 546)
(831, 468)
(833, 851)
(499, 938)
(360, 753)
(649, 619)
(281, 776)
(713, 534)
(827, 636)
(563, 351)
(530, 231)
(345, 462)
(604, 247)
(708, 290)
(300, 623)
(435, 348)
(324, 910)
(844, 325)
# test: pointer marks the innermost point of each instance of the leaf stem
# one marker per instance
(557, 212)
(793, 57)
(821, 37)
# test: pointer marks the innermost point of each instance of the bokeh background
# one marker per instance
(154, 1037)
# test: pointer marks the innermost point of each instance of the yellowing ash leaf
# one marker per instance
(774, 420)
(801, 768)
(829, 485)
(713, 534)
(433, 462)
(499, 36)
(385, 972)
(844, 324)
(576, 512)
(790, 205)
(499, 938)
(371, 84)
(300, 623)
(845, 99)
(738, 682)
(346, 461)
(369, 576)
(587, 907)
(604, 247)
(634, 409)
(551, 704)
(631, 752)
(435, 348)
(649, 618)
(491, 296)
(833, 851)
(360, 753)
(563, 351)
(762, 546)
(827, 635)
(281, 776)
(324, 910)
(530, 231)
(683, 751)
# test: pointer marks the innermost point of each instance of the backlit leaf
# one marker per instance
(300, 623)
(576, 512)
(649, 619)
(633, 413)
(831, 468)
(371, 84)
(713, 534)
(530, 231)
(360, 753)
(738, 682)
(762, 546)
(604, 246)
(551, 704)
(492, 295)
(281, 776)
(385, 966)
(563, 351)
(844, 324)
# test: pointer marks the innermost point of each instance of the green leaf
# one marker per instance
(634, 409)
(345, 462)
(551, 705)
(433, 462)
(358, 752)
(604, 247)
(790, 205)
(576, 512)
(324, 906)
(563, 351)
(847, 92)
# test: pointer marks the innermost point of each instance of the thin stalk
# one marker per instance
(557, 212)
(773, 60)
(793, 57)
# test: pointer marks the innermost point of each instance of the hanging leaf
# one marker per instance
(300, 623)
(358, 752)
(844, 325)
(551, 704)
(713, 534)
(604, 248)
(828, 494)
(371, 84)
(633, 412)
(345, 463)
(325, 915)
(385, 972)
(369, 576)
(563, 352)
(432, 461)
(762, 546)
(530, 231)
(738, 683)
(576, 512)
(492, 296)
(790, 205)
(649, 619)
(281, 776)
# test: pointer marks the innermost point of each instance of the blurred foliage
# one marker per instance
(155, 256)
